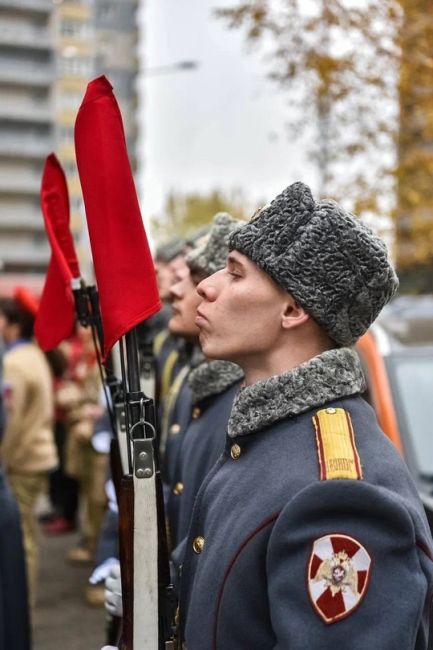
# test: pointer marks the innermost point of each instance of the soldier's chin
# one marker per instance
(212, 350)
(175, 325)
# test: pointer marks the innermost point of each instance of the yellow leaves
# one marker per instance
(186, 213)
(365, 72)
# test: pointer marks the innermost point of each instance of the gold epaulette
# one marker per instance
(167, 373)
(338, 456)
(159, 341)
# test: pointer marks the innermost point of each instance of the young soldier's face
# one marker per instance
(184, 302)
(240, 314)
(164, 278)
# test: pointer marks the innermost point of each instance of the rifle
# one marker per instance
(88, 314)
(144, 557)
(138, 488)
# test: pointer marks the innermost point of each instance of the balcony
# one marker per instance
(16, 222)
(25, 149)
(39, 6)
(24, 185)
(27, 75)
(24, 256)
(26, 38)
(25, 114)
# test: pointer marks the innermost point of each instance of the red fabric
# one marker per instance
(123, 264)
(56, 315)
(26, 300)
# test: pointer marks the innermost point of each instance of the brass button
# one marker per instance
(235, 451)
(178, 488)
(331, 411)
(198, 544)
(174, 429)
(196, 412)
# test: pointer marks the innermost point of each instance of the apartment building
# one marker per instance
(49, 50)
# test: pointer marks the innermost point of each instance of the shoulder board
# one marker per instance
(159, 341)
(167, 373)
(338, 456)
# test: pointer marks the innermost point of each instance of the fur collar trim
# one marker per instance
(212, 378)
(328, 376)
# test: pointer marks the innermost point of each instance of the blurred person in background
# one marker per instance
(14, 614)
(63, 489)
(28, 450)
(80, 400)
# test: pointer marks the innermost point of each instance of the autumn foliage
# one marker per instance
(360, 74)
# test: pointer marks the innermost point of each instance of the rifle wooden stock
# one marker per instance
(126, 553)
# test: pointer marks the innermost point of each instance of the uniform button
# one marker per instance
(174, 429)
(196, 412)
(235, 451)
(198, 544)
(178, 488)
(331, 411)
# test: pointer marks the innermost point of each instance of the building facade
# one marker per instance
(49, 51)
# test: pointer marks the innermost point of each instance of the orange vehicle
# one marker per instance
(397, 357)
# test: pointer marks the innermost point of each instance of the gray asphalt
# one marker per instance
(62, 619)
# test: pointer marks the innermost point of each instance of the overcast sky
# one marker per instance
(219, 126)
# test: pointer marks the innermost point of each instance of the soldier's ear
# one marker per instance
(293, 315)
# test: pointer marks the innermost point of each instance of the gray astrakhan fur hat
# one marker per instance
(210, 253)
(331, 262)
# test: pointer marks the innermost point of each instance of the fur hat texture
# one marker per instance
(331, 262)
(211, 252)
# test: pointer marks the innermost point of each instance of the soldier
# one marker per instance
(153, 333)
(213, 386)
(308, 532)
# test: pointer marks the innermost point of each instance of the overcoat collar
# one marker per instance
(329, 376)
(212, 378)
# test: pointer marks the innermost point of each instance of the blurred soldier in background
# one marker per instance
(169, 258)
(213, 386)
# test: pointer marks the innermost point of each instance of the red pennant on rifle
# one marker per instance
(56, 314)
(123, 264)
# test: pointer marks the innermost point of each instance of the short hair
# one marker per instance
(16, 314)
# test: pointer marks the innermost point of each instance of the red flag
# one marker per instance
(124, 267)
(56, 315)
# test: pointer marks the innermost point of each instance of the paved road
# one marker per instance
(62, 619)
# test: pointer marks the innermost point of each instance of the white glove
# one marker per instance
(102, 571)
(113, 592)
(109, 647)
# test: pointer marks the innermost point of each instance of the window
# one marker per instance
(76, 66)
(75, 29)
(70, 100)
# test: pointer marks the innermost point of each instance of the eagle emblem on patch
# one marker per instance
(338, 575)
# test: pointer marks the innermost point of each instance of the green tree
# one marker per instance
(185, 213)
